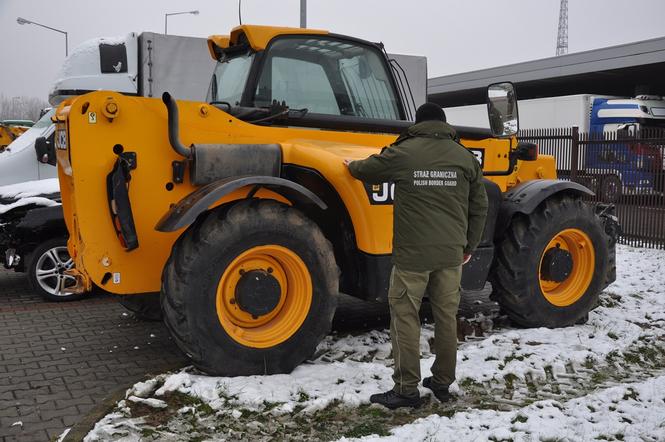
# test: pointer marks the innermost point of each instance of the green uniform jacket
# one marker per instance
(440, 201)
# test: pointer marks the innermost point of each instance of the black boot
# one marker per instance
(391, 399)
(440, 391)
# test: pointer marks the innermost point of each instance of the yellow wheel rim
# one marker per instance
(572, 288)
(295, 298)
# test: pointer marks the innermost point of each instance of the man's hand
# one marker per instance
(347, 162)
(467, 258)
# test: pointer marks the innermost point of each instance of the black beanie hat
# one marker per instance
(430, 111)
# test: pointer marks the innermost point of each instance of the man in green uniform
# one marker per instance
(439, 215)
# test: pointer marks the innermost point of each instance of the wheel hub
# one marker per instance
(257, 292)
(567, 267)
(557, 265)
(264, 296)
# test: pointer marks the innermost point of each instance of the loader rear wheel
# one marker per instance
(250, 290)
(550, 268)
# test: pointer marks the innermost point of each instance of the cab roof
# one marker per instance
(257, 36)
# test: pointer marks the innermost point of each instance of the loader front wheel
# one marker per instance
(551, 265)
(250, 290)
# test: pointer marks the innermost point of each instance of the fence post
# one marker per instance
(574, 153)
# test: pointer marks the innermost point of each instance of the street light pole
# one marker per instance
(303, 13)
(166, 18)
(23, 21)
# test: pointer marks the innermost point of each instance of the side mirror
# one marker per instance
(45, 151)
(502, 109)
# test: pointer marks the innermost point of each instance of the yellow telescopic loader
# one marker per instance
(11, 130)
(240, 210)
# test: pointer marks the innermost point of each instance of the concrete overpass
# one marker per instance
(626, 70)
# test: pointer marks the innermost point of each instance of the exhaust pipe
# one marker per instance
(174, 130)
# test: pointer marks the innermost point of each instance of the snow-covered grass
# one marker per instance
(634, 411)
(515, 383)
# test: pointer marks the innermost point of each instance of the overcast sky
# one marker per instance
(455, 35)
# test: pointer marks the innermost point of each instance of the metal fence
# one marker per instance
(624, 168)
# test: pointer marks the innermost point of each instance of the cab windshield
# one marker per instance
(229, 79)
(327, 76)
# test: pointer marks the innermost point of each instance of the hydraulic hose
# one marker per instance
(174, 128)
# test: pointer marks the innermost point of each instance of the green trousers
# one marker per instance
(405, 296)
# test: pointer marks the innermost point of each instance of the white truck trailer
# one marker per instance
(145, 64)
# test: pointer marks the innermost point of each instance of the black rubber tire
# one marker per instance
(611, 189)
(145, 307)
(515, 273)
(197, 262)
(34, 260)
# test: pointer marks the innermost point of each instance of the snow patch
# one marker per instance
(312, 386)
(4, 208)
(143, 389)
(30, 188)
(27, 193)
(626, 412)
(150, 402)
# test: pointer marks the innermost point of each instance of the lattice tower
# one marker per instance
(562, 36)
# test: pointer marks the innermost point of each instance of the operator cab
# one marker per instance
(310, 78)
(305, 80)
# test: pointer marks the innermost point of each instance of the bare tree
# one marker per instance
(21, 108)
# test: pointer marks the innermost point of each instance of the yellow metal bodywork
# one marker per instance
(87, 156)
(89, 126)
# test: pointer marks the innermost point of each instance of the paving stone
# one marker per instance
(6, 422)
(8, 409)
(40, 427)
(70, 421)
(6, 395)
(33, 372)
(52, 414)
(16, 385)
(31, 378)
(29, 394)
(51, 398)
(81, 400)
(53, 383)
